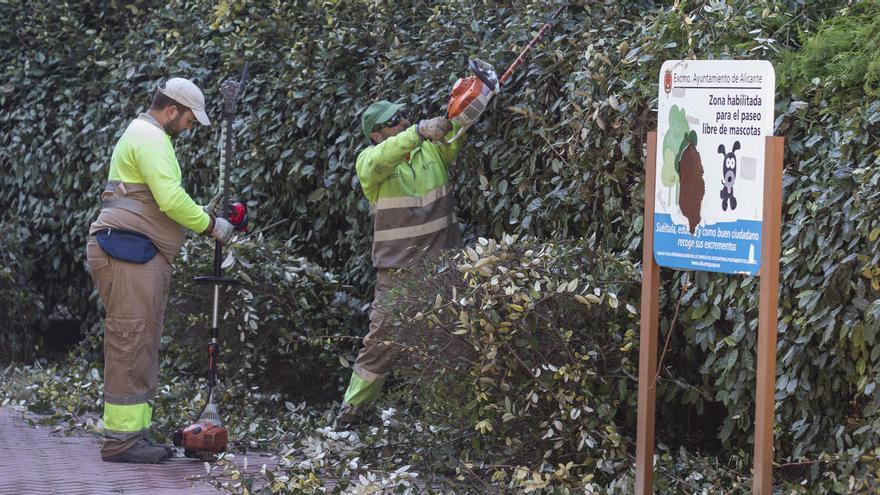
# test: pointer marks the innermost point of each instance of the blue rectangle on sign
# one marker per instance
(725, 247)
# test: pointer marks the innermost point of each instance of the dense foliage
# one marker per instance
(287, 324)
(22, 309)
(838, 63)
(558, 156)
(532, 345)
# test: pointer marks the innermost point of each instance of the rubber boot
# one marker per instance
(141, 453)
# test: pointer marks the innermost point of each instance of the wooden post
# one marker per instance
(648, 333)
(762, 477)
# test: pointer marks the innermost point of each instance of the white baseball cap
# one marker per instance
(186, 93)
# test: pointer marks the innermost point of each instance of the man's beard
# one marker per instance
(173, 127)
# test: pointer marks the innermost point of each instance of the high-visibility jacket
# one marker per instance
(406, 181)
(144, 155)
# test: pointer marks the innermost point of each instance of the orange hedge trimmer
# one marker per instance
(471, 95)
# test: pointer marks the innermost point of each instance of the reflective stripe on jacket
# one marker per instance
(406, 182)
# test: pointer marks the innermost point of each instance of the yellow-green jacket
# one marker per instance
(144, 155)
(406, 181)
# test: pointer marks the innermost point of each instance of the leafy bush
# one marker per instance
(286, 327)
(526, 355)
(22, 309)
(838, 62)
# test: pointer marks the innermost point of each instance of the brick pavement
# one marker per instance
(35, 460)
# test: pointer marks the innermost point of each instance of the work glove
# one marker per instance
(434, 129)
(222, 230)
(213, 207)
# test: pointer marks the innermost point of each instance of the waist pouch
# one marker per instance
(125, 245)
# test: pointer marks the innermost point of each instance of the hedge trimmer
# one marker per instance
(471, 95)
(206, 437)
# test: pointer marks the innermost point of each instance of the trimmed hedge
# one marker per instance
(285, 327)
(526, 358)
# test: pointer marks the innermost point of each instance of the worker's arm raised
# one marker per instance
(448, 151)
(376, 163)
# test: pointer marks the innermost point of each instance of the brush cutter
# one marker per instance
(471, 95)
(206, 437)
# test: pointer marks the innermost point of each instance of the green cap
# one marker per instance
(377, 113)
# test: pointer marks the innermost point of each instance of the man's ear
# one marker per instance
(376, 137)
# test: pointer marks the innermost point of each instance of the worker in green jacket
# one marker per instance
(142, 225)
(404, 175)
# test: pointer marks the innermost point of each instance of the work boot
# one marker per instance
(349, 417)
(141, 453)
(168, 448)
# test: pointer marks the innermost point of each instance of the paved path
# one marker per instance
(38, 460)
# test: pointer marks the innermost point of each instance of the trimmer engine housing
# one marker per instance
(201, 440)
(471, 95)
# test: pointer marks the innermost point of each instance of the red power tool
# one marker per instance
(238, 216)
(207, 437)
(201, 439)
(471, 95)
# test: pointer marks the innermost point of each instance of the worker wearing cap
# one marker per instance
(131, 246)
(404, 175)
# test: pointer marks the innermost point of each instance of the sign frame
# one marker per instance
(762, 477)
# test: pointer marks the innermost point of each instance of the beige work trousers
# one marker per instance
(378, 353)
(135, 296)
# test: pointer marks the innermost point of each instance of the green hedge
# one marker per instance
(22, 309)
(559, 155)
(525, 358)
(285, 327)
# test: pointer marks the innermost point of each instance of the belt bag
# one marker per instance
(125, 245)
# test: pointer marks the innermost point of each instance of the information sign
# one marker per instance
(713, 118)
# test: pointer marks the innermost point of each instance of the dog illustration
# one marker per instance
(729, 169)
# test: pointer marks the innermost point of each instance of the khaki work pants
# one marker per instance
(376, 357)
(378, 354)
(135, 296)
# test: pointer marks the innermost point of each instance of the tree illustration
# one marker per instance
(673, 143)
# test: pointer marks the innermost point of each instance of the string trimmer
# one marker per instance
(471, 95)
(206, 437)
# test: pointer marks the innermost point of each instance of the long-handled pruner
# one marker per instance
(207, 437)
